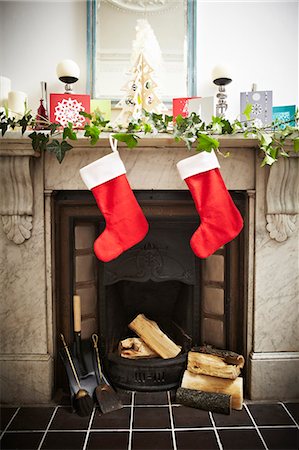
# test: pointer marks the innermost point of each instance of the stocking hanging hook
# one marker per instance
(113, 143)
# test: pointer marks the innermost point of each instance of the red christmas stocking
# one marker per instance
(220, 219)
(125, 221)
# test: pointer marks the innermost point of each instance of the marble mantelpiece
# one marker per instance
(27, 347)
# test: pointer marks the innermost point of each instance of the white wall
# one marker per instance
(258, 40)
(36, 36)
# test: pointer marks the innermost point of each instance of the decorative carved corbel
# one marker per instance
(16, 203)
(283, 198)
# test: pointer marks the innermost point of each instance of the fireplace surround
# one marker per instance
(29, 277)
(194, 301)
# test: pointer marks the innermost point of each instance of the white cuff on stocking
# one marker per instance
(193, 165)
(102, 170)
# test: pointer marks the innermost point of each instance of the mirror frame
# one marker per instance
(191, 47)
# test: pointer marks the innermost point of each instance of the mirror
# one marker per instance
(111, 31)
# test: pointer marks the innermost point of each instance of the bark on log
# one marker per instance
(202, 363)
(228, 356)
(208, 401)
(150, 333)
(135, 348)
(214, 384)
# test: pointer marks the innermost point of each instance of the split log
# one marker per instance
(215, 384)
(227, 356)
(202, 363)
(134, 348)
(208, 401)
(153, 336)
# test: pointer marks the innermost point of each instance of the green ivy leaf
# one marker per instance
(53, 127)
(247, 111)
(24, 121)
(268, 160)
(93, 132)
(206, 143)
(68, 132)
(296, 145)
(39, 141)
(59, 148)
(85, 114)
(129, 139)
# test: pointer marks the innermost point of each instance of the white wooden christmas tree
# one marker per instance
(141, 89)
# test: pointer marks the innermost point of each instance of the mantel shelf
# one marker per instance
(151, 165)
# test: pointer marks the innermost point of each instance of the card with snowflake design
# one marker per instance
(261, 102)
(65, 108)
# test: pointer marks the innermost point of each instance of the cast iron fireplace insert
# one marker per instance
(194, 301)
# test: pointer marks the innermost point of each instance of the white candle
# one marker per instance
(68, 68)
(5, 87)
(17, 102)
(221, 72)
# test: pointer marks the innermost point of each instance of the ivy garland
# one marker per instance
(191, 130)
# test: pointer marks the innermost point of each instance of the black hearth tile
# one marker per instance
(108, 440)
(270, 414)
(64, 441)
(240, 439)
(234, 419)
(124, 396)
(281, 438)
(196, 440)
(115, 420)
(21, 441)
(144, 440)
(66, 419)
(151, 417)
(151, 398)
(190, 417)
(293, 408)
(6, 414)
(31, 418)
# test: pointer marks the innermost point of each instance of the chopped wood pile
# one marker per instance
(211, 372)
(152, 342)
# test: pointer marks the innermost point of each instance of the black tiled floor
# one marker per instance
(64, 441)
(21, 441)
(119, 419)
(270, 414)
(5, 416)
(190, 418)
(27, 418)
(151, 422)
(240, 439)
(109, 440)
(293, 408)
(281, 438)
(151, 417)
(144, 440)
(196, 440)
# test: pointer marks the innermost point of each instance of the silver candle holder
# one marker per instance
(221, 106)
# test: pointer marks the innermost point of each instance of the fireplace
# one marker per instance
(248, 290)
(194, 301)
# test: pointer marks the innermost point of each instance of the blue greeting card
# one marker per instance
(284, 114)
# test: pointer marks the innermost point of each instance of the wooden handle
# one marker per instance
(77, 313)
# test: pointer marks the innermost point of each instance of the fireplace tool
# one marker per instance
(105, 394)
(83, 402)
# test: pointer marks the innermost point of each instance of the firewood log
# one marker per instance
(153, 336)
(215, 384)
(133, 348)
(208, 401)
(202, 363)
(228, 356)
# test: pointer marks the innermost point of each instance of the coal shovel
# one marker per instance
(105, 394)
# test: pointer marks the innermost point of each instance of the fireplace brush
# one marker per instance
(83, 401)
